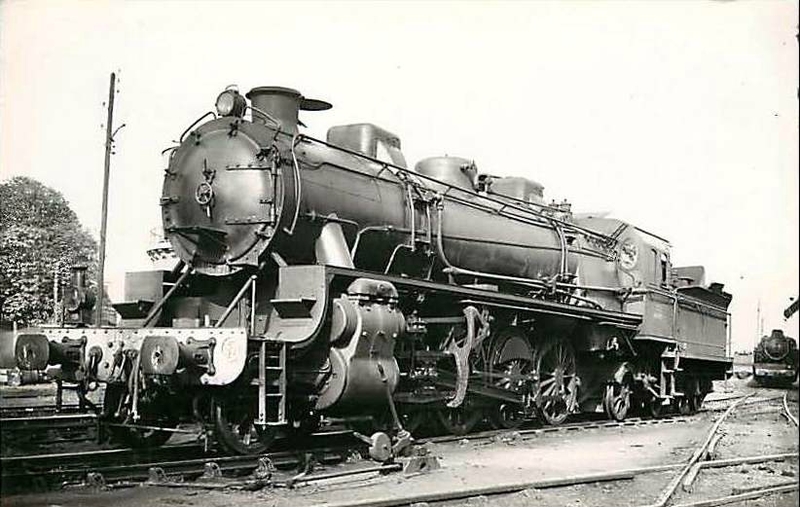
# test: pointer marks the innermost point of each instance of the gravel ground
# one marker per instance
(752, 430)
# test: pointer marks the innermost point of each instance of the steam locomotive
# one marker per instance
(775, 359)
(328, 278)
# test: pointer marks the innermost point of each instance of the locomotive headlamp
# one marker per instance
(230, 103)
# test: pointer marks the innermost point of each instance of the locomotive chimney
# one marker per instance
(282, 105)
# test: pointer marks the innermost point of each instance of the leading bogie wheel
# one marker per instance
(683, 405)
(235, 427)
(139, 433)
(654, 407)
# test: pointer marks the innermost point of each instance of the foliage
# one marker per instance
(40, 236)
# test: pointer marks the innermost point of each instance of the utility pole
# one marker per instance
(56, 310)
(104, 214)
(759, 322)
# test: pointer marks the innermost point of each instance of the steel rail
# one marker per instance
(305, 477)
(76, 469)
(748, 402)
(77, 456)
(786, 411)
(494, 489)
(712, 446)
(785, 487)
(587, 425)
(48, 420)
(667, 493)
(498, 489)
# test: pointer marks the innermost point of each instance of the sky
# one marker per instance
(680, 117)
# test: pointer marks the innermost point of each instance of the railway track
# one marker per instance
(109, 466)
(685, 472)
(590, 423)
(187, 461)
(21, 432)
(25, 430)
(178, 462)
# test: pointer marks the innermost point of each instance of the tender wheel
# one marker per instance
(696, 402)
(617, 400)
(654, 407)
(682, 404)
(458, 421)
(558, 381)
(235, 428)
(693, 398)
(117, 412)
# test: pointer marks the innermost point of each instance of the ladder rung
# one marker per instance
(274, 395)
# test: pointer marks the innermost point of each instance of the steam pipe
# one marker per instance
(297, 191)
(236, 300)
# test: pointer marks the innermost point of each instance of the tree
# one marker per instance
(40, 236)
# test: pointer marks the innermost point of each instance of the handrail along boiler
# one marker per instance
(329, 278)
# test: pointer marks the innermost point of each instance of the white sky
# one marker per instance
(681, 117)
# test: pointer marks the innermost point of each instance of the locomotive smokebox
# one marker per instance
(281, 104)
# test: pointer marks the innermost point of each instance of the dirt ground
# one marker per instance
(758, 429)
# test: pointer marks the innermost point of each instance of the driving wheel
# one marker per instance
(512, 365)
(558, 381)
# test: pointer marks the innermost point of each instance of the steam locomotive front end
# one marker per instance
(221, 195)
